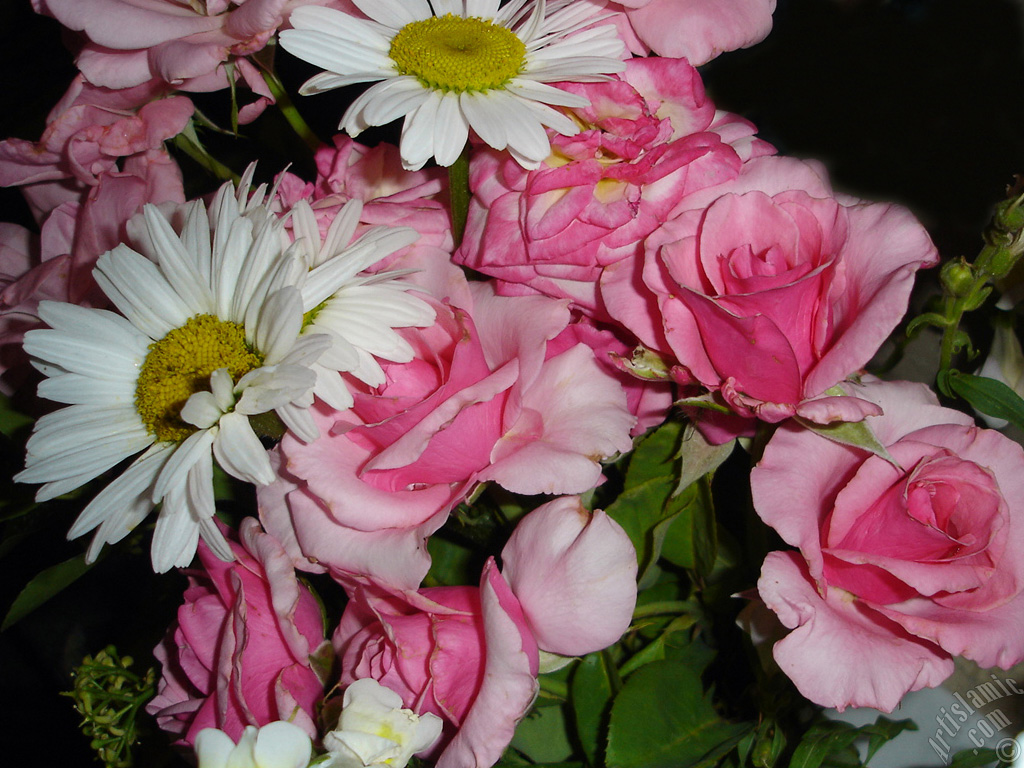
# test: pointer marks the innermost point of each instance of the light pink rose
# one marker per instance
(697, 30)
(898, 569)
(391, 196)
(485, 399)
(470, 655)
(649, 141)
(240, 651)
(92, 131)
(131, 42)
(772, 291)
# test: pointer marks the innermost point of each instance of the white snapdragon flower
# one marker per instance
(375, 731)
(276, 745)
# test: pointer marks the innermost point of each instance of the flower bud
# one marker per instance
(957, 277)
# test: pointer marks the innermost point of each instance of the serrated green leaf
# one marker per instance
(662, 719)
(655, 455)
(44, 586)
(593, 682)
(991, 397)
(662, 646)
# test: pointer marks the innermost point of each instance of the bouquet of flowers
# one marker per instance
(544, 429)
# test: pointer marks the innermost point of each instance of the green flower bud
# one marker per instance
(957, 277)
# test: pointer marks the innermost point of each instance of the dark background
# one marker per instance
(917, 101)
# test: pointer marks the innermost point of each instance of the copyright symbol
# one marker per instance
(1008, 750)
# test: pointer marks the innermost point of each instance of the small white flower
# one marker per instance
(276, 745)
(211, 333)
(375, 731)
(451, 65)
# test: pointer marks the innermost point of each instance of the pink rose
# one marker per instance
(697, 30)
(89, 133)
(58, 264)
(239, 653)
(391, 196)
(773, 290)
(650, 140)
(131, 42)
(899, 568)
(491, 395)
(470, 655)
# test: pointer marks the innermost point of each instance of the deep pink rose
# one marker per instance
(773, 291)
(697, 30)
(470, 655)
(650, 139)
(491, 395)
(240, 651)
(898, 569)
(92, 131)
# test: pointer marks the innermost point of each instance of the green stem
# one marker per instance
(288, 109)
(204, 158)
(458, 194)
(553, 687)
(661, 608)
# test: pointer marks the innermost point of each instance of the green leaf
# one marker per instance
(855, 433)
(44, 586)
(542, 735)
(593, 682)
(882, 731)
(662, 719)
(450, 563)
(991, 397)
(974, 758)
(691, 536)
(674, 643)
(823, 741)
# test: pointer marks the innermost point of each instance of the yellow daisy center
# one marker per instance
(180, 364)
(450, 53)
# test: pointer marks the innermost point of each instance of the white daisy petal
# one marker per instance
(76, 389)
(299, 422)
(440, 95)
(176, 535)
(330, 388)
(239, 452)
(177, 263)
(394, 13)
(123, 503)
(175, 471)
(215, 539)
(141, 293)
(280, 320)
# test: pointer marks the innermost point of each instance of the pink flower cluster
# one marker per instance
(663, 253)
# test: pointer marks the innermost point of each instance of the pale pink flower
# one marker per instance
(489, 396)
(239, 653)
(57, 265)
(772, 290)
(899, 568)
(698, 30)
(92, 131)
(187, 45)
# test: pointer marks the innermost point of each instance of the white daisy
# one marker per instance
(451, 65)
(210, 334)
(359, 318)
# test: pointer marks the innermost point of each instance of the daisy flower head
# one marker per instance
(209, 336)
(451, 65)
